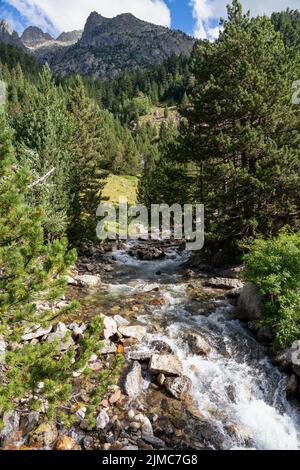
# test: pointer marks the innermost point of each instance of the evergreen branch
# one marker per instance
(42, 179)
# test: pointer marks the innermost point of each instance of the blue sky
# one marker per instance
(196, 17)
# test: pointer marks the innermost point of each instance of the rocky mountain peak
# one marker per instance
(8, 35)
(71, 37)
(34, 37)
(5, 27)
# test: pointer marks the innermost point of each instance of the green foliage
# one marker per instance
(274, 265)
(161, 83)
(242, 131)
(87, 177)
(164, 179)
(11, 57)
(288, 24)
(136, 107)
(31, 273)
(43, 134)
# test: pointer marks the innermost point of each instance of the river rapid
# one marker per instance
(234, 385)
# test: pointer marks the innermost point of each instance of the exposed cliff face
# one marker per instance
(108, 46)
(105, 47)
(71, 38)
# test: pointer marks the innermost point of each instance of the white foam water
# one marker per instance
(235, 386)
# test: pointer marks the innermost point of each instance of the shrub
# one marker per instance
(274, 265)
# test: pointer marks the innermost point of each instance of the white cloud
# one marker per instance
(207, 11)
(67, 15)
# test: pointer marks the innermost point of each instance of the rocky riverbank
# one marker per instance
(155, 404)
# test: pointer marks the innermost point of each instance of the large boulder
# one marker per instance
(137, 332)
(250, 303)
(179, 387)
(283, 359)
(166, 364)
(148, 253)
(198, 345)
(236, 272)
(110, 327)
(223, 283)
(134, 382)
(89, 281)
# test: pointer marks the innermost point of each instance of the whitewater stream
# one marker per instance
(236, 383)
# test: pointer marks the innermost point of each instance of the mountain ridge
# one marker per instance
(104, 48)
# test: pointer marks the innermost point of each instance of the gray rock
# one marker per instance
(145, 424)
(70, 37)
(198, 345)
(110, 327)
(265, 334)
(63, 335)
(77, 332)
(60, 332)
(295, 355)
(130, 448)
(66, 344)
(179, 387)
(110, 45)
(250, 303)
(284, 359)
(292, 386)
(234, 273)
(121, 321)
(166, 364)
(102, 420)
(10, 424)
(137, 332)
(39, 333)
(223, 283)
(161, 347)
(3, 347)
(80, 414)
(29, 422)
(154, 441)
(88, 443)
(71, 281)
(108, 347)
(134, 382)
(141, 356)
(89, 281)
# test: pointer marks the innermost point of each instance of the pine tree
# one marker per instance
(87, 174)
(243, 131)
(165, 180)
(31, 273)
(43, 135)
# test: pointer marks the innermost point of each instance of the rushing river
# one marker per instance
(235, 383)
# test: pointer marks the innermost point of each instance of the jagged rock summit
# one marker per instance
(33, 37)
(8, 35)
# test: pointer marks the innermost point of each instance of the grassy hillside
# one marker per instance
(121, 186)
